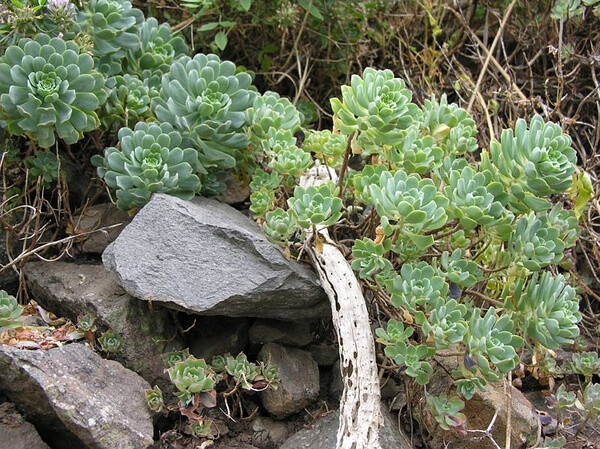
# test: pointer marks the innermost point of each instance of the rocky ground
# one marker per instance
(209, 282)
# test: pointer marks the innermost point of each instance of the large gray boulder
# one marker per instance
(323, 435)
(77, 399)
(69, 290)
(205, 257)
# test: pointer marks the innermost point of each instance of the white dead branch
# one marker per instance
(360, 413)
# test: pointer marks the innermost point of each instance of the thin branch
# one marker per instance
(491, 50)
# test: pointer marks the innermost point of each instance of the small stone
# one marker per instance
(271, 432)
(95, 218)
(235, 445)
(77, 399)
(289, 333)
(299, 376)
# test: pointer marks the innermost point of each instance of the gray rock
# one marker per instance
(336, 387)
(70, 290)
(218, 335)
(289, 333)
(76, 399)
(299, 384)
(205, 257)
(15, 432)
(98, 217)
(235, 445)
(324, 355)
(324, 434)
(271, 432)
(479, 411)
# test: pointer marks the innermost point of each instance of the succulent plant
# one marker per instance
(546, 308)
(361, 182)
(460, 270)
(10, 310)
(395, 332)
(446, 411)
(201, 427)
(406, 248)
(452, 127)
(261, 202)
(276, 141)
(327, 147)
(86, 323)
(451, 163)
(206, 99)
(243, 371)
(562, 399)
(192, 376)
(48, 87)
(113, 26)
(415, 154)
(589, 400)
(268, 111)
(309, 112)
(263, 180)
(446, 323)
(468, 386)
(411, 358)
(585, 363)
(492, 344)
(313, 206)
(369, 260)
(408, 202)
(533, 161)
(377, 105)
(472, 198)
(219, 363)
(60, 6)
(61, 13)
(565, 221)
(170, 359)
(44, 165)
(111, 342)
(270, 373)
(536, 242)
(154, 398)
(419, 285)
(128, 102)
(150, 160)
(290, 160)
(157, 51)
(279, 226)
(554, 443)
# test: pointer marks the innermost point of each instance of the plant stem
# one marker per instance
(345, 163)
